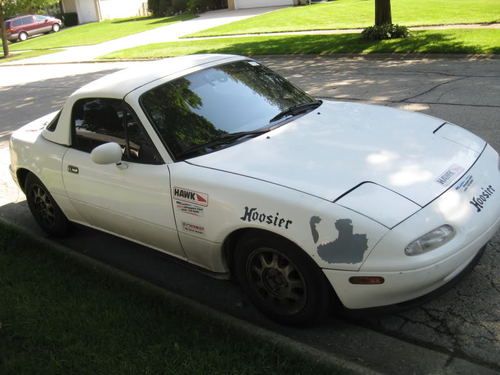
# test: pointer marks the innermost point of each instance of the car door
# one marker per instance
(131, 199)
(42, 25)
(29, 25)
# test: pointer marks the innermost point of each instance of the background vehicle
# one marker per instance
(22, 27)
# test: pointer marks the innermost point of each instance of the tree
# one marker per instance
(383, 12)
(9, 8)
(3, 31)
(384, 28)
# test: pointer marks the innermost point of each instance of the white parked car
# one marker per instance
(219, 161)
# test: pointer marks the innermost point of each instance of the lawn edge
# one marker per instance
(243, 327)
(452, 26)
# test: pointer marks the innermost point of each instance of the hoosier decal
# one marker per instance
(191, 196)
(479, 201)
(252, 215)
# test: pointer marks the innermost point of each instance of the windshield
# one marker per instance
(202, 107)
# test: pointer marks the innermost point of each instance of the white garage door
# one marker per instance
(240, 4)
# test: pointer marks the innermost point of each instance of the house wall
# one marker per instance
(120, 9)
(69, 6)
(87, 11)
(241, 4)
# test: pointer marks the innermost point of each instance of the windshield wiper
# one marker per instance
(297, 110)
(225, 139)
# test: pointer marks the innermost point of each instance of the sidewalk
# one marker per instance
(167, 33)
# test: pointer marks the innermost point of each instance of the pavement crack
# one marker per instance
(432, 89)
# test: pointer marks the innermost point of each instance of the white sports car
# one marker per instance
(219, 161)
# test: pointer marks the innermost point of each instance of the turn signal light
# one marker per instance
(366, 280)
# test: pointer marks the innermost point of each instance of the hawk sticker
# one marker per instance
(191, 196)
(346, 248)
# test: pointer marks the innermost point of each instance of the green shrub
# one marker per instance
(179, 6)
(161, 8)
(69, 19)
(386, 31)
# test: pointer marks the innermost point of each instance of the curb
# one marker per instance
(367, 56)
(299, 349)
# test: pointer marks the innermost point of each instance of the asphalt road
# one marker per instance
(454, 331)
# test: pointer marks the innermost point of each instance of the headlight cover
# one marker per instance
(430, 241)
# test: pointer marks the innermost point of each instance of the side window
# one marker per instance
(27, 20)
(40, 18)
(97, 121)
(16, 23)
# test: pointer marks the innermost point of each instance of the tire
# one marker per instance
(281, 280)
(44, 208)
(22, 36)
(56, 27)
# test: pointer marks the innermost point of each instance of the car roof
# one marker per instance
(16, 17)
(119, 84)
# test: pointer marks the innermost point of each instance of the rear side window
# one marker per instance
(97, 121)
(17, 23)
(26, 20)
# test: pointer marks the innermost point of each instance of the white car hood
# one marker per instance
(341, 145)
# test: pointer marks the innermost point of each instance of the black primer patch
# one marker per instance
(347, 248)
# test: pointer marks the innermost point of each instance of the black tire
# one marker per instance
(56, 27)
(44, 208)
(22, 36)
(281, 280)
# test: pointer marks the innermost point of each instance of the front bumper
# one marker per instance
(410, 277)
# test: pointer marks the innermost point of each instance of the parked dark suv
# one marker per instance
(22, 27)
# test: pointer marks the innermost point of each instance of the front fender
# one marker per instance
(335, 237)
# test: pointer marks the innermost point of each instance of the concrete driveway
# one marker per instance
(458, 332)
(167, 33)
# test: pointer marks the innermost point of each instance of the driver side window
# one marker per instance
(96, 121)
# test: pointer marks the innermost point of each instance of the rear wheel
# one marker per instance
(56, 27)
(281, 280)
(23, 36)
(44, 208)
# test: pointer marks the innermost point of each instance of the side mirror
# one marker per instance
(108, 153)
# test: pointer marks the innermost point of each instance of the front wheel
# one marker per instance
(44, 208)
(22, 36)
(56, 27)
(281, 280)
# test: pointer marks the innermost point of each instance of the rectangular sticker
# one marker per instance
(465, 183)
(449, 175)
(193, 228)
(191, 196)
(190, 209)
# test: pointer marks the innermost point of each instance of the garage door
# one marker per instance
(240, 4)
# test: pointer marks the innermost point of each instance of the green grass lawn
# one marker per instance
(96, 32)
(342, 14)
(58, 316)
(471, 41)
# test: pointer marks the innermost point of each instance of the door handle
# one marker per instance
(73, 169)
